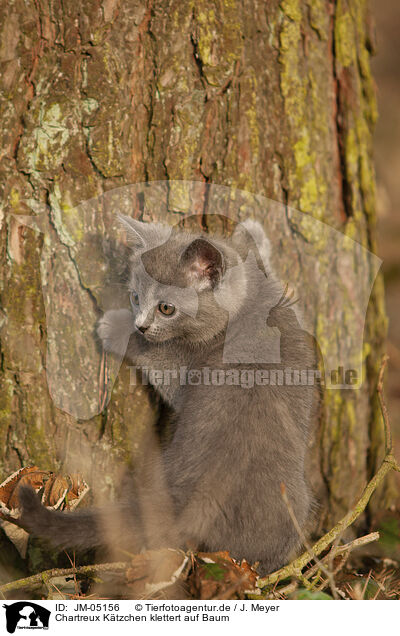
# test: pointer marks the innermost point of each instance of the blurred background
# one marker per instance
(386, 68)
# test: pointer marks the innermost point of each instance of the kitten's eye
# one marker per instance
(166, 309)
(134, 298)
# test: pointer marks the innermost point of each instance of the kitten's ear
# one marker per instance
(144, 235)
(204, 264)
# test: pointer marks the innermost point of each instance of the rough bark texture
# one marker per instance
(271, 97)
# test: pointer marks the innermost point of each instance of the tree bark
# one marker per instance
(270, 97)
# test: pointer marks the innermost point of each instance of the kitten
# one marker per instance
(206, 303)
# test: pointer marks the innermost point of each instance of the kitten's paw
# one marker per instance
(28, 500)
(114, 330)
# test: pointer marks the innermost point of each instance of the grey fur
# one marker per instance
(217, 484)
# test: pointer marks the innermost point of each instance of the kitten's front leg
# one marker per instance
(119, 336)
(115, 329)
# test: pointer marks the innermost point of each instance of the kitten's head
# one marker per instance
(183, 285)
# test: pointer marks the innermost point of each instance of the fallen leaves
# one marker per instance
(217, 575)
(156, 571)
(61, 492)
(58, 491)
(204, 575)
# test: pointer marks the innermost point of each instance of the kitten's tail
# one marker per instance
(82, 529)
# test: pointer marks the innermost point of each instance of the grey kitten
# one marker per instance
(206, 303)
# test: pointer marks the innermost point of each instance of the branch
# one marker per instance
(43, 578)
(344, 551)
(308, 547)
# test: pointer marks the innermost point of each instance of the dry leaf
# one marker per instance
(29, 475)
(156, 570)
(57, 491)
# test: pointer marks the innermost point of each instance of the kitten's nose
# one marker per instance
(142, 328)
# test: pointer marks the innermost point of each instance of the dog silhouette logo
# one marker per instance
(26, 615)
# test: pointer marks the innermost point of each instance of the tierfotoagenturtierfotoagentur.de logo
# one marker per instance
(245, 378)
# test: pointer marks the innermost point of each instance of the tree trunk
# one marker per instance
(275, 98)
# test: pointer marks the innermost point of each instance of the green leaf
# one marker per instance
(213, 571)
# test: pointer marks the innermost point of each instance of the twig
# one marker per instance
(385, 416)
(42, 578)
(341, 550)
(366, 585)
(73, 565)
(103, 381)
(388, 464)
(326, 570)
(356, 543)
(345, 551)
